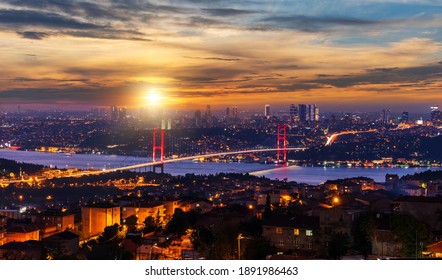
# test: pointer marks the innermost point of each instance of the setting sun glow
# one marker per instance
(154, 97)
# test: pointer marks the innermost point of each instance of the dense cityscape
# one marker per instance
(50, 212)
(272, 131)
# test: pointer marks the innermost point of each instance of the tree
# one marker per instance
(268, 208)
(149, 224)
(218, 243)
(413, 234)
(258, 248)
(363, 233)
(131, 223)
(338, 245)
(181, 221)
(109, 245)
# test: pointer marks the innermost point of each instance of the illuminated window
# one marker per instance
(296, 231)
(278, 230)
(281, 242)
(309, 246)
(309, 232)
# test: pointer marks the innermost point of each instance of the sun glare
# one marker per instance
(154, 97)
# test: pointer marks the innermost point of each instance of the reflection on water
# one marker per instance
(300, 174)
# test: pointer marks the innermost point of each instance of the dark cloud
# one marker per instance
(211, 75)
(109, 34)
(384, 76)
(384, 70)
(90, 71)
(311, 24)
(205, 21)
(74, 8)
(222, 59)
(79, 19)
(228, 12)
(55, 95)
(286, 67)
(136, 5)
(213, 58)
(22, 18)
(33, 35)
(299, 86)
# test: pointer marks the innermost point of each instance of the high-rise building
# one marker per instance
(267, 110)
(308, 112)
(95, 218)
(303, 112)
(234, 112)
(197, 118)
(227, 113)
(114, 113)
(404, 117)
(435, 114)
(208, 112)
(294, 114)
(316, 116)
(122, 114)
(385, 116)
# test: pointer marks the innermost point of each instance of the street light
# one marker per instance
(335, 201)
(240, 236)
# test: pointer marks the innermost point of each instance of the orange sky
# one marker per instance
(223, 53)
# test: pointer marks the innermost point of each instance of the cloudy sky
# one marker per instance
(340, 54)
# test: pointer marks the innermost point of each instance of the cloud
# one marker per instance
(77, 94)
(228, 12)
(385, 76)
(33, 35)
(312, 23)
(78, 19)
(23, 18)
(213, 58)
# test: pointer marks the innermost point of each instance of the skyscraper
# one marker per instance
(294, 114)
(404, 117)
(114, 113)
(316, 115)
(385, 115)
(208, 112)
(267, 110)
(227, 113)
(435, 114)
(122, 114)
(302, 111)
(197, 118)
(234, 112)
(308, 112)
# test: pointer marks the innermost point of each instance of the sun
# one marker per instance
(154, 97)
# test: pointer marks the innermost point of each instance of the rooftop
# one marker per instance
(290, 221)
(65, 235)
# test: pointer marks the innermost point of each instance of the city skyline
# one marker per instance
(342, 55)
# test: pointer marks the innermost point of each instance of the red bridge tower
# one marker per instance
(281, 143)
(159, 148)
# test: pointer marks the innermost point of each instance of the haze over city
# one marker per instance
(343, 54)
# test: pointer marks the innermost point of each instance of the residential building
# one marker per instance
(63, 243)
(28, 250)
(295, 234)
(142, 210)
(22, 232)
(96, 217)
